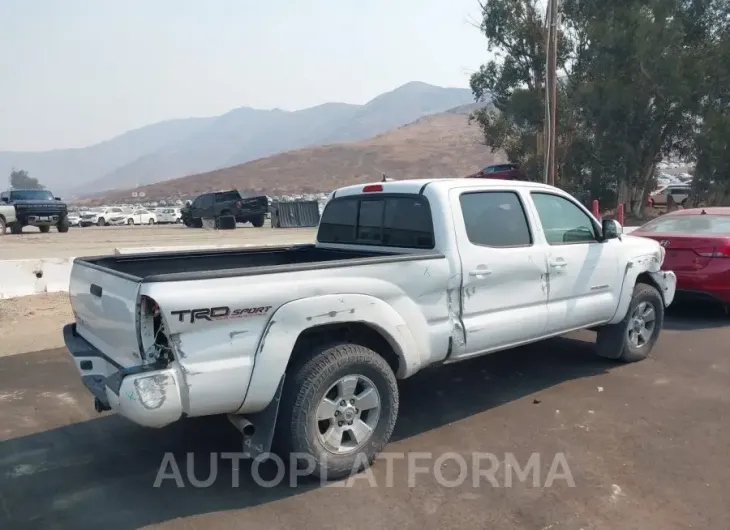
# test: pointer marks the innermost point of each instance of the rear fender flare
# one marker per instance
(293, 318)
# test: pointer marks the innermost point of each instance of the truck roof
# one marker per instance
(416, 185)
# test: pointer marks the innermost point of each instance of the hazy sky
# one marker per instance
(75, 72)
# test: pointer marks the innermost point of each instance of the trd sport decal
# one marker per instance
(219, 313)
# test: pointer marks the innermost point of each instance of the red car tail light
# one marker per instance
(372, 187)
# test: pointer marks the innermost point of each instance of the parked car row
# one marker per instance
(116, 216)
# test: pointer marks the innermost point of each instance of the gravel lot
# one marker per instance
(94, 241)
(646, 444)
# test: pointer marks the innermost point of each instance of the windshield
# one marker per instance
(696, 224)
(31, 195)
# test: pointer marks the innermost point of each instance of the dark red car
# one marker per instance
(500, 171)
(697, 245)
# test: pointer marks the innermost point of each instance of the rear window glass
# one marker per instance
(690, 224)
(227, 196)
(391, 221)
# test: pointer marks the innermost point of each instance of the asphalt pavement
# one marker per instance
(646, 446)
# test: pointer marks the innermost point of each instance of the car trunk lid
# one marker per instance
(686, 253)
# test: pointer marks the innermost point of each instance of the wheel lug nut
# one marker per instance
(337, 413)
(349, 423)
(352, 402)
(343, 403)
(340, 423)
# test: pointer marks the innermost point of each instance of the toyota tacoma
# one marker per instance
(302, 346)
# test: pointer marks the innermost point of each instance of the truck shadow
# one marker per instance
(101, 471)
(687, 315)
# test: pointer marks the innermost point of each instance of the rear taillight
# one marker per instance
(372, 187)
(152, 333)
(714, 252)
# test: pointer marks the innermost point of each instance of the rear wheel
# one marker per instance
(130, 221)
(258, 221)
(151, 221)
(633, 338)
(338, 409)
(16, 228)
(101, 222)
(3, 226)
(44, 229)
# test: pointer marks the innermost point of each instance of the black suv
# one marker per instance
(222, 203)
(36, 208)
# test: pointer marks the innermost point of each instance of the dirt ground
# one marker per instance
(95, 241)
(645, 444)
(32, 323)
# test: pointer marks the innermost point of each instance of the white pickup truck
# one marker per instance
(301, 346)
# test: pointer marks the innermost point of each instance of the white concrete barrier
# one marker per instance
(23, 277)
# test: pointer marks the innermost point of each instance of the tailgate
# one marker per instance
(105, 307)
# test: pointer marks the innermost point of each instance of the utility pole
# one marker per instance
(551, 91)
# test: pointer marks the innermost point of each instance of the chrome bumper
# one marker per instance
(147, 395)
(667, 281)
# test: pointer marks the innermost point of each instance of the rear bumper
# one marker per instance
(667, 281)
(146, 395)
(707, 284)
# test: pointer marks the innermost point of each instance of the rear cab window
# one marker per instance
(388, 220)
(495, 219)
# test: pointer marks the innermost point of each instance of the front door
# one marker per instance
(504, 290)
(584, 280)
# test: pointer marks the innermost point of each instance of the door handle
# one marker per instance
(480, 272)
(557, 264)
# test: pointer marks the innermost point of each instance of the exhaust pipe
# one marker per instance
(100, 407)
(244, 426)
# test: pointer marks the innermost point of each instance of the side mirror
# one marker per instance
(58, 198)
(4, 199)
(611, 229)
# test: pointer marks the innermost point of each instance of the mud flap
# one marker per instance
(258, 444)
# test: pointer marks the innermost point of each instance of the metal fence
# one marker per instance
(295, 214)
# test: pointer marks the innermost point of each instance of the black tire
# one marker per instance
(44, 229)
(151, 221)
(612, 341)
(63, 225)
(130, 222)
(16, 228)
(305, 386)
(101, 221)
(3, 226)
(258, 222)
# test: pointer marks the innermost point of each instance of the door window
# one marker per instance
(563, 222)
(495, 219)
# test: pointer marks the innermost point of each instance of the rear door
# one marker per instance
(504, 293)
(104, 306)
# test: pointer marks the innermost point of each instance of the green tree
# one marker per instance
(631, 88)
(19, 179)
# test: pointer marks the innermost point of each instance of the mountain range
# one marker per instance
(437, 145)
(176, 148)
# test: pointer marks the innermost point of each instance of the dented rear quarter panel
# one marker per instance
(223, 359)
